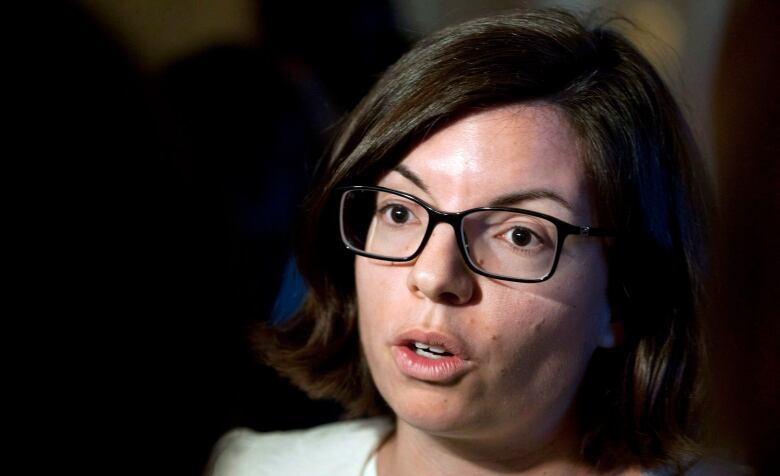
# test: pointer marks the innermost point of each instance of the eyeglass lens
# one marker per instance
(505, 243)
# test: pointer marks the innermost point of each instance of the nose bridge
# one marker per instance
(440, 271)
(452, 219)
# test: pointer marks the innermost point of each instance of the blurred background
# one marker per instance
(166, 147)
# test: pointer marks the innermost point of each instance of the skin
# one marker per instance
(528, 344)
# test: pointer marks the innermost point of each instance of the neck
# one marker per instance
(412, 451)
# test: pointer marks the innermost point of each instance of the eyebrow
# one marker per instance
(506, 200)
(412, 177)
(526, 195)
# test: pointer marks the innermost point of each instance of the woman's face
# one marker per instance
(519, 349)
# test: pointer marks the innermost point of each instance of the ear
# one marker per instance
(611, 334)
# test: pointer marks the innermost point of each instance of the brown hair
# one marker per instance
(637, 401)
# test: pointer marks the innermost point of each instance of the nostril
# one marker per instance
(452, 298)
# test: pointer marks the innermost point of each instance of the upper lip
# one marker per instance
(450, 343)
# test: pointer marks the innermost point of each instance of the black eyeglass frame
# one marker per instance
(455, 219)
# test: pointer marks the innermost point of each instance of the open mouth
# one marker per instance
(431, 356)
(428, 351)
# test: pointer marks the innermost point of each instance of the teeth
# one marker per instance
(430, 351)
(429, 355)
(432, 348)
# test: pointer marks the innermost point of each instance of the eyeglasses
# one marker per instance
(511, 244)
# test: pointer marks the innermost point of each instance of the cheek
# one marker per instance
(369, 300)
(580, 288)
(533, 325)
(376, 285)
(542, 344)
(374, 279)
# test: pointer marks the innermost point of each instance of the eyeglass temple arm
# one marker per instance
(589, 231)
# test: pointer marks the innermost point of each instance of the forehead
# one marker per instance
(496, 152)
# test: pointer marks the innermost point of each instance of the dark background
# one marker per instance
(152, 193)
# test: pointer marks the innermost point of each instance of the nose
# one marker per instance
(439, 272)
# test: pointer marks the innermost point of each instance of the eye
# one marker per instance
(399, 214)
(522, 237)
(396, 214)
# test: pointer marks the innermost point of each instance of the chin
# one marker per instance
(429, 408)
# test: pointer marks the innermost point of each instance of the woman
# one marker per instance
(504, 256)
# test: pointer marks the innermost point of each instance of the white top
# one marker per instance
(370, 469)
(344, 448)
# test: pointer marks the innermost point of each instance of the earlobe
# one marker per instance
(612, 335)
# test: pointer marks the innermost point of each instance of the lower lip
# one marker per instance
(443, 370)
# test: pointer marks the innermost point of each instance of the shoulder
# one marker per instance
(718, 466)
(708, 466)
(336, 448)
